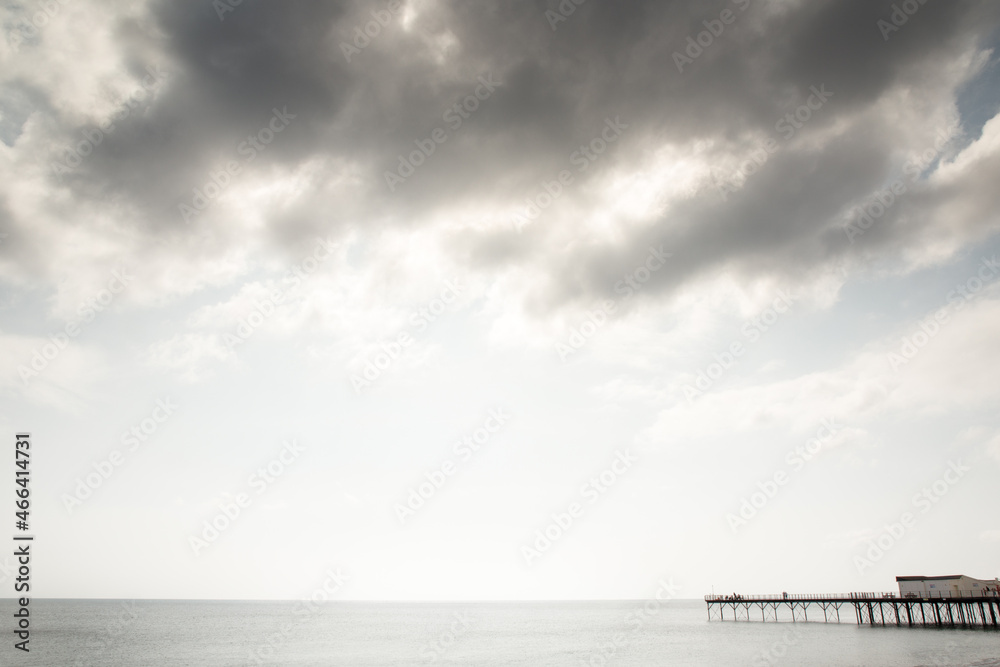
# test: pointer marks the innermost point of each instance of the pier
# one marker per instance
(952, 611)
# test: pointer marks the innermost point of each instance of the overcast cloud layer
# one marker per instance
(624, 240)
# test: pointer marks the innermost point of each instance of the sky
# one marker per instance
(504, 300)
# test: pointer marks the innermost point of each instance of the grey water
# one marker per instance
(164, 633)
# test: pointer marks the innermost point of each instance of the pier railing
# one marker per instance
(927, 595)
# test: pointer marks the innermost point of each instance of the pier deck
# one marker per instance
(868, 608)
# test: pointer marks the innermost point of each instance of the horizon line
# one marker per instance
(381, 601)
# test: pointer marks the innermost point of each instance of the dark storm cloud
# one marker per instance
(223, 79)
(558, 87)
(780, 223)
(841, 44)
(776, 226)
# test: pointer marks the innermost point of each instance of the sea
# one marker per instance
(170, 633)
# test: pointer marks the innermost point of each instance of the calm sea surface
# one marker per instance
(67, 633)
